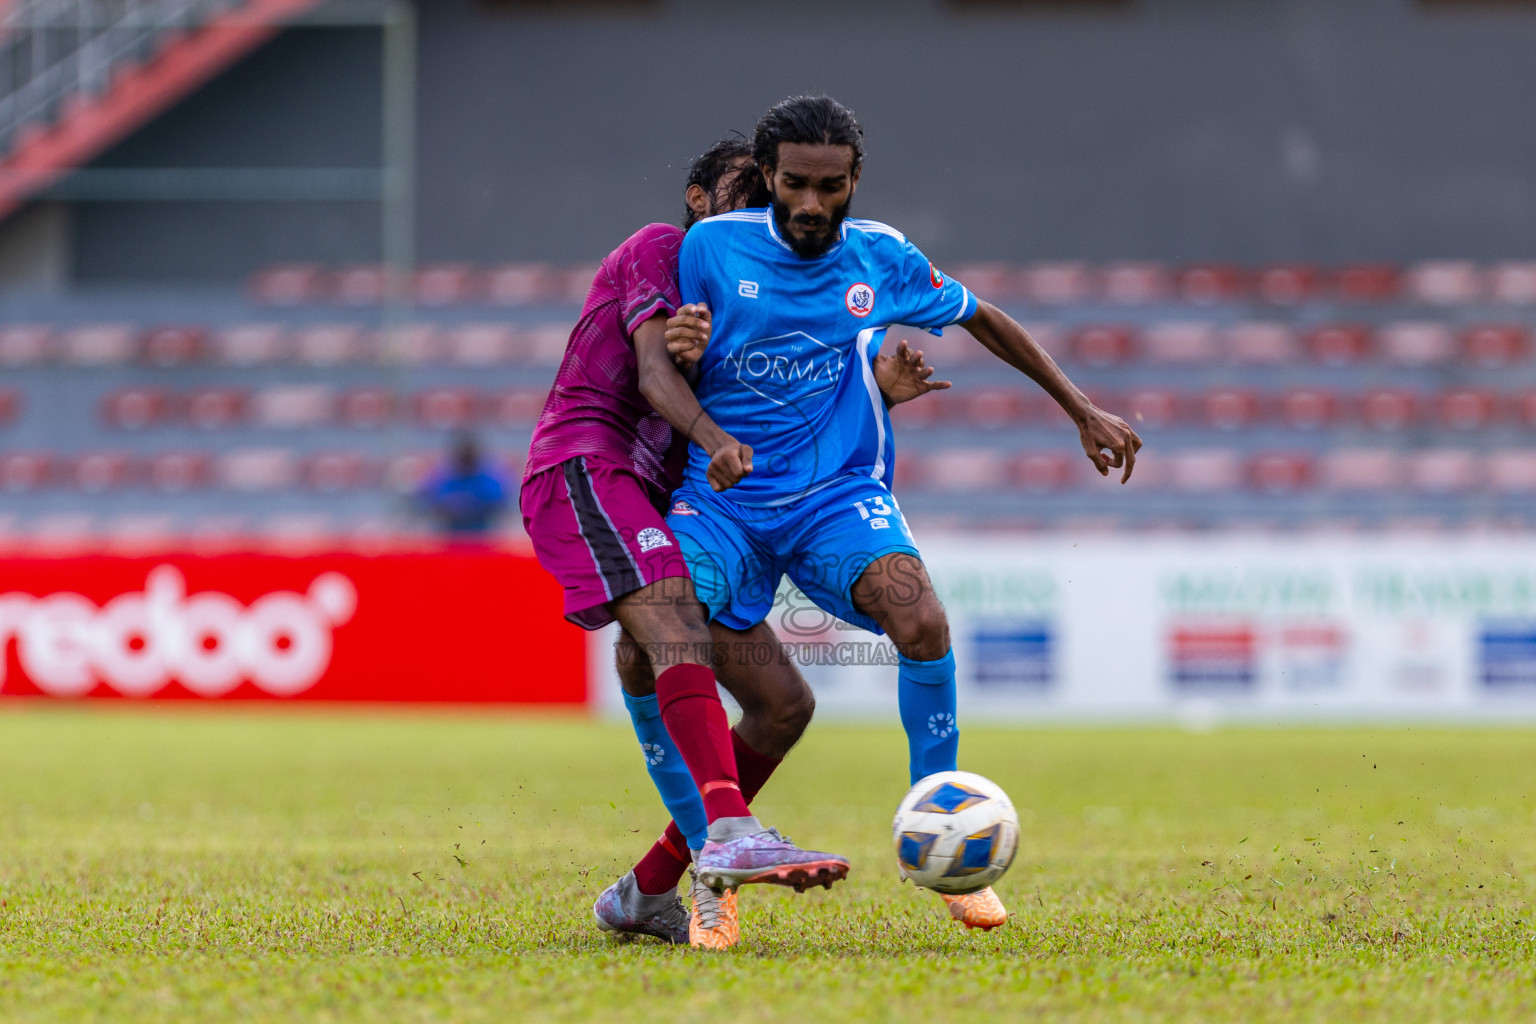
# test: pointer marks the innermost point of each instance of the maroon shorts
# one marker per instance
(596, 528)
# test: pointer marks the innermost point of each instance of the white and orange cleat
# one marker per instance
(981, 909)
(712, 919)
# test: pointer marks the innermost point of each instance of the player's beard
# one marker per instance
(809, 247)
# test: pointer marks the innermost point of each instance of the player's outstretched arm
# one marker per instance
(669, 394)
(903, 375)
(1100, 431)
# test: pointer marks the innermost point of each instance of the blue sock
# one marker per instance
(669, 773)
(925, 692)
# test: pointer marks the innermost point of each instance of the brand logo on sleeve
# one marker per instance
(860, 300)
(682, 508)
(935, 277)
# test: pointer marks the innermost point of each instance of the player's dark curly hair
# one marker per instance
(816, 120)
(713, 164)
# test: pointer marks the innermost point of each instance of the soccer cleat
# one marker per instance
(981, 909)
(712, 923)
(768, 857)
(625, 910)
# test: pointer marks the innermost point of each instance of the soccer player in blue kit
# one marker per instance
(800, 297)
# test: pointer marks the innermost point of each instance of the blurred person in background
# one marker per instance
(466, 497)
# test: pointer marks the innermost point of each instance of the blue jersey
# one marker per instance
(790, 365)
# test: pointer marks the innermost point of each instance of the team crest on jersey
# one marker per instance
(682, 508)
(860, 300)
(651, 538)
(934, 277)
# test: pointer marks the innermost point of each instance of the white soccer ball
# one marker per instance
(956, 832)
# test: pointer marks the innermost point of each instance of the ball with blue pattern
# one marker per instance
(955, 833)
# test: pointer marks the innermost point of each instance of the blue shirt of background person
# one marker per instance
(465, 498)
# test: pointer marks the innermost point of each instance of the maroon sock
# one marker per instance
(663, 865)
(695, 719)
(752, 768)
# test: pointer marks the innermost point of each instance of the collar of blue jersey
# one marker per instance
(773, 232)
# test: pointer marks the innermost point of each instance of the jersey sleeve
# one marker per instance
(646, 275)
(925, 296)
(692, 260)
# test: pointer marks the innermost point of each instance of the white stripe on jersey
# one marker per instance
(875, 227)
(746, 215)
(866, 361)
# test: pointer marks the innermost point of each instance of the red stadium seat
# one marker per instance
(1058, 283)
(1205, 471)
(1288, 284)
(1513, 283)
(177, 472)
(360, 285)
(1308, 409)
(293, 406)
(994, 408)
(257, 469)
(1417, 343)
(1445, 282)
(215, 408)
(1102, 346)
(479, 345)
(1362, 469)
(447, 408)
(332, 472)
(1444, 471)
(574, 282)
(1468, 410)
(1179, 342)
(520, 284)
(520, 407)
(994, 282)
(135, 408)
(25, 345)
(403, 474)
(1280, 473)
(1229, 409)
(967, 469)
(908, 471)
(1135, 283)
(1209, 283)
(10, 406)
(1260, 343)
(542, 346)
(1042, 472)
(1368, 282)
(1151, 407)
(99, 345)
(448, 284)
(916, 414)
(410, 345)
(99, 472)
(942, 352)
(366, 407)
(290, 285)
(250, 344)
(1512, 471)
(174, 346)
(1387, 409)
(1494, 345)
(331, 344)
(1339, 344)
(23, 472)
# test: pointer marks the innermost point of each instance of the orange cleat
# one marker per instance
(977, 909)
(712, 921)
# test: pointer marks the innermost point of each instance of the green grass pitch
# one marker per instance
(220, 864)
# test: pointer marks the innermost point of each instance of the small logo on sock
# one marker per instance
(941, 724)
(654, 753)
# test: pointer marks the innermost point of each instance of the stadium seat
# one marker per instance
(1058, 283)
(1261, 343)
(332, 472)
(135, 408)
(943, 352)
(1512, 471)
(297, 533)
(907, 473)
(289, 285)
(1288, 284)
(215, 408)
(1445, 282)
(1209, 283)
(1135, 283)
(404, 474)
(1230, 409)
(519, 284)
(292, 406)
(1309, 409)
(1192, 342)
(174, 346)
(362, 285)
(23, 472)
(1444, 470)
(366, 407)
(994, 408)
(1368, 282)
(448, 284)
(100, 472)
(410, 345)
(447, 408)
(256, 469)
(967, 469)
(1386, 409)
(543, 345)
(572, 283)
(479, 344)
(99, 345)
(521, 407)
(1416, 343)
(1150, 407)
(177, 472)
(250, 344)
(330, 344)
(1204, 471)
(1362, 469)
(1102, 346)
(994, 282)
(61, 534)
(140, 533)
(1466, 409)
(1042, 472)
(1494, 345)
(25, 345)
(1513, 283)
(1339, 344)
(1280, 473)
(10, 406)
(918, 414)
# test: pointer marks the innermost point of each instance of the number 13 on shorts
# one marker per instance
(876, 512)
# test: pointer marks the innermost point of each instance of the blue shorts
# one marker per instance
(737, 554)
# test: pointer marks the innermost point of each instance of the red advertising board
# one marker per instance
(466, 625)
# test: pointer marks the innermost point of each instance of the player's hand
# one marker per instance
(728, 465)
(688, 334)
(1103, 432)
(904, 376)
